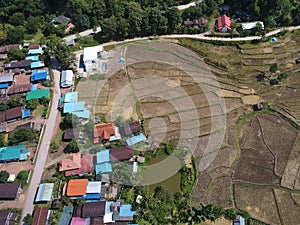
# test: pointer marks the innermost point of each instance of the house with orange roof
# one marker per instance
(224, 23)
(77, 187)
(105, 132)
(75, 164)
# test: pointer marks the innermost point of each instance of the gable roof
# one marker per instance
(9, 191)
(103, 168)
(40, 216)
(37, 64)
(121, 153)
(13, 113)
(77, 187)
(93, 187)
(38, 76)
(78, 221)
(34, 46)
(61, 19)
(44, 192)
(20, 64)
(103, 132)
(93, 209)
(71, 107)
(136, 139)
(72, 162)
(69, 97)
(21, 88)
(5, 48)
(224, 21)
(86, 163)
(7, 77)
(131, 128)
(4, 216)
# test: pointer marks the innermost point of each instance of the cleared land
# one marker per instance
(181, 99)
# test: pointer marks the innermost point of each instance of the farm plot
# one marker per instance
(259, 202)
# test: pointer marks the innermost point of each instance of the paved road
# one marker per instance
(82, 34)
(44, 146)
(182, 7)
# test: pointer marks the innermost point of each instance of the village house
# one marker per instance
(106, 132)
(224, 23)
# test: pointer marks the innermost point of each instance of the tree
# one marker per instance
(17, 19)
(4, 175)
(58, 48)
(32, 104)
(72, 147)
(44, 101)
(273, 68)
(3, 106)
(14, 102)
(174, 19)
(2, 140)
(69, 121)
(134, 15)
(32, 24)
(22, 177)
(23, 134)
(230, 214)
(15, 54)
(15, 34)
(28, 219)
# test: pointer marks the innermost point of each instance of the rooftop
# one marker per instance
(77, 187)
(7, 77)
(91, 53)
(93, 187)
(12, 153)
(71, 133)
(103, 168)
(69, 97)
(93, 209)
(121, 153)
(40, 216)
(44, 192)
(36, 94)
(103, 156)
(78, 221)
(131, 128)
(72, 162)
(9, 191)
(136, 139)
(71, 107)
(103, 132)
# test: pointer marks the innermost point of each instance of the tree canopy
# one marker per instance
(4, 175)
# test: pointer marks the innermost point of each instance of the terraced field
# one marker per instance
(263, 175)
(202, 100)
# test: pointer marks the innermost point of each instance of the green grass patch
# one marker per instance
(39, 111)
(109, 47)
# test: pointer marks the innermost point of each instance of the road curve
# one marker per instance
(44, 146)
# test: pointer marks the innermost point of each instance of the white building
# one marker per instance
(251, 25)
(90, 58)
(66, 78)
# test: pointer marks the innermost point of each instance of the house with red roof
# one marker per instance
(224, 23)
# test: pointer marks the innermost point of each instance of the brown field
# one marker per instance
(259, 202)
(259, 150)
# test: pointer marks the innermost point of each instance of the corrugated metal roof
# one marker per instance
(3, 85)
(35, 51)
(103, 156)
(85, 114)
(136, 139)
(70, 97)
(66, 78)
(32, 58)
(10, 153)
(36, 94)
(25, 113)
(37, 76)
(37, 64)
(73, 106)
(8, 77)
(44, 192)
(103, 168)
(93, 187)
(78, 221)
(125, 210)
(77, 187)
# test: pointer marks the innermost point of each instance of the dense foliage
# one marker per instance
(4, 175)
(122, 19)
(23, 134)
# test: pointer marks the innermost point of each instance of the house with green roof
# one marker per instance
(13, 153)
(36, 94)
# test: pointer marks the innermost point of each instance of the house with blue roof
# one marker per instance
(38, 76)
(13, 153)
(76, 108)
(136, 139)
(103, 162)
(33, 58)
(37, 51)
(37, 64)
